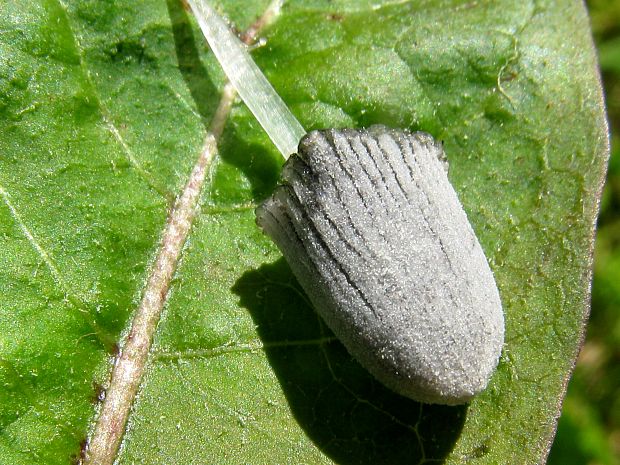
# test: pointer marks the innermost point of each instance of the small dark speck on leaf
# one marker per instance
(115, 350)
(78, 459)
(99, 393)
(130, 50)
(335, 17)
(508, 77)
(480, 451)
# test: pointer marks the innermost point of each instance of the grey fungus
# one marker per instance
(377, 237)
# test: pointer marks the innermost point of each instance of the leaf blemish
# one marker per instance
(335, 17)
(99, 392)
(130, 50)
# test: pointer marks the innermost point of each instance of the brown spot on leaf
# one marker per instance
(335, 17)
(115, 350)
(99, 393)
(78, 459)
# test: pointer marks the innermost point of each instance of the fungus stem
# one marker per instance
(251, 84)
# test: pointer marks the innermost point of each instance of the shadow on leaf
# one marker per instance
(204, 93)
(260, 166)
(348, 414)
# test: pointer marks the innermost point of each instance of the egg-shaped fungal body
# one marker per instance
(374, 232)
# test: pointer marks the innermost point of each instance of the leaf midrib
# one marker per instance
(130, 365)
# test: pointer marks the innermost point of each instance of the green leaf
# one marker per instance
(104, 107)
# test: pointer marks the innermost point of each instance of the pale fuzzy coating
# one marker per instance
(376, 235)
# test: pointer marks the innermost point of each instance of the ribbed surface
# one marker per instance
(377, 237)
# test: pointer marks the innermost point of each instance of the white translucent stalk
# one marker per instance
(251, 84)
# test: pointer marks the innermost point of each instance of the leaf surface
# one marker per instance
(103, 111)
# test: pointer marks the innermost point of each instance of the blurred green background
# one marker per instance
(589, 428)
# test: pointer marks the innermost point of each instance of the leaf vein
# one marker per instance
(130, 365)
(250, 347)
(106, 115)
(45, 256)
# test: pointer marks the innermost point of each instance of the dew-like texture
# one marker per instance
(377, 237)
